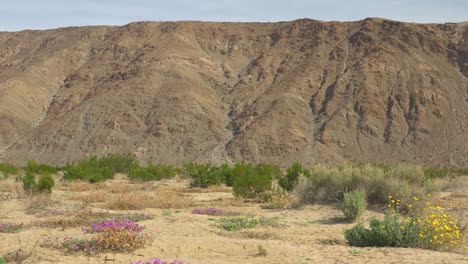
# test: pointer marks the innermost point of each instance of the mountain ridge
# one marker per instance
(318, 92)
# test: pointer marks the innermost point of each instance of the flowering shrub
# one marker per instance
(158, 261)
(71, 245)
(114, 225)
(425, 226)
(213, 211)
(112, 235)
(121, 240)
(10, 227)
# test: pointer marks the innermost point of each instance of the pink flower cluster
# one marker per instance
(158, 261)
(115, 225)
(213, 211)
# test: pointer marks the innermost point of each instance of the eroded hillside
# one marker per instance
(372, 90)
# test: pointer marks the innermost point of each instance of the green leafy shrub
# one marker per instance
(153, 172)
(250, 180)
(424, 226)
(29, 182)
(444, 172)
(203, 175)
(36, 168)
(94, 169)
(389, 232)
(8, 169)
(45, 183)
(2, 260)
(292, 175)
(354, 204)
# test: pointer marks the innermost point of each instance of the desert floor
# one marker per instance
(312, 234)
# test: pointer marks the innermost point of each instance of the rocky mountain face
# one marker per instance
(316, 92)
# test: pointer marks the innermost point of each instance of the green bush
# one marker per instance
(249, 181)
(8, 169)
(292, 175)
(94, 169)
(153, 172)
(29, 182)
(36, 168)
(2, 261)
(203, 175)
(45, 183)
(354, 204)
(389, 232)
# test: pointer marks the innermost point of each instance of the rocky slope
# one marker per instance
(318, 92)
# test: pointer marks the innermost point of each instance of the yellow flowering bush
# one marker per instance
(424, 226)
(438, 229)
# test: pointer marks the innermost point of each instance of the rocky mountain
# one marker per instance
(317, 92)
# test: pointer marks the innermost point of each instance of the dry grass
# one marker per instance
(234, 202)
(38, 202)
(98, 196)
(125, 188)
(80, 186)
(210, 189)
(163, 198)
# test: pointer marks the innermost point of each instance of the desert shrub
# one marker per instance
(29, 182)
(8, 169)
(36, 168)
(112, 236)
(2, 260)
(354, 204)
(423, 226)
(328, 184)
(118, 163)
(227, 173)
(292, 175)
(444, 172)
(153, 172)
(250, 180)
(203, 175)
(278, 198)
(94, 169)
(45, 183)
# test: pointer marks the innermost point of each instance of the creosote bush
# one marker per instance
(43, 185)
(354, 204)
(292, 176)
(153, 172)
(94, 169)
(249, 181)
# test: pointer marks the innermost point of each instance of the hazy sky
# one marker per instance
(42, 14)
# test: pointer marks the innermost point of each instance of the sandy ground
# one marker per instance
(313, 234)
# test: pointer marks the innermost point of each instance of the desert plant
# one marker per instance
(2, 260)
(203, 175)
(213, 211)
(45, 183)
(29, 182)
(158, 261)
(153, 172)
(424, 227)
(354, 204)
(10, 227)
(8, 169)
(250, 180)
(292, 175)
(36, 168)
